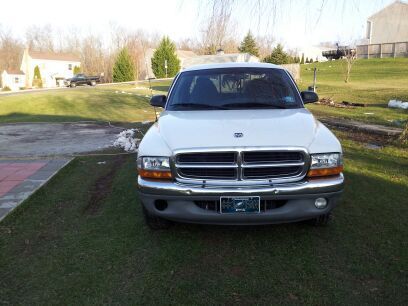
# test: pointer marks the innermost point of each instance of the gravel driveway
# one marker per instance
(51, 139)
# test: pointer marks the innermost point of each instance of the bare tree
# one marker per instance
(349, 60)
(11, 50)
(40, 38)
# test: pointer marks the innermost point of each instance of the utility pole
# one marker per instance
(165, 67)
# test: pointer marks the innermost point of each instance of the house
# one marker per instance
(390, 25)
(54, 67)
(189, 58)
(13, 79)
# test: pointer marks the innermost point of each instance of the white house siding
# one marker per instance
(13, 81)
(390, 25)
(51, 70)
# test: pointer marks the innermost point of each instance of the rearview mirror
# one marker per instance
(158, 100)
(309, 97)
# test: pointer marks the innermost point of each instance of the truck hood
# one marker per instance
(259, 128)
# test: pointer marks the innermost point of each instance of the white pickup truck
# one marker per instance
(235, 145)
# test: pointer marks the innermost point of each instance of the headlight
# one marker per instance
(154, 167)
(325, 164)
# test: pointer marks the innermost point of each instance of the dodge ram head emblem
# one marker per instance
(238, 135)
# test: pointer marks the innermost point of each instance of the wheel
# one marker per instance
(93, 83)
(73, 85)
(321, 220)
(155, 223)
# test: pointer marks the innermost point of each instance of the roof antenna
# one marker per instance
(148, 78)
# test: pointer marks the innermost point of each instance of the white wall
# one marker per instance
(13, 81)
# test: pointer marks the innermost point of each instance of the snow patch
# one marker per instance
(127, 141)
(398, 104)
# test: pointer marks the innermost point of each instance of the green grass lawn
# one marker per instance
(374, 81)
(81, 240)
(115, 103)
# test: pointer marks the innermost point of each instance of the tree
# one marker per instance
(123, 69)
(37, 81)
(248, 45)
(278, 56)
(77, 70)
(349, 59)
(302, 61)
(166, 51)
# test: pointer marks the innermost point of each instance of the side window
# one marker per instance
(69, 66)
(16, 80)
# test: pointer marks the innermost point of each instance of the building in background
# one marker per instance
(13, 79)
(54, 67)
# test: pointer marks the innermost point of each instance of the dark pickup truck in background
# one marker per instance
(82, 79)
(338, 53)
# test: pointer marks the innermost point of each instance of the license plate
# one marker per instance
(230, 205)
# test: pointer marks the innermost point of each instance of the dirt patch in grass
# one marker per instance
(102, 187)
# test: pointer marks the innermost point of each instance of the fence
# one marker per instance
(398, 49)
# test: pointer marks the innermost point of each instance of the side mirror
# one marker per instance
(158, 100)
(309, 97)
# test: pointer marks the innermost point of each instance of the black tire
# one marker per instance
(73, 85)
(155, 223)
(321, 220)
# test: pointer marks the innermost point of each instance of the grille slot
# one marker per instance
(271, 172)
(272, 157)
(214, 205)
(279, 165)
(208, 173)
(207, 158)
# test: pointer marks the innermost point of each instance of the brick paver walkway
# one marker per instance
(21, 178)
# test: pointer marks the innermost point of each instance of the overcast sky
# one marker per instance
(294, 22)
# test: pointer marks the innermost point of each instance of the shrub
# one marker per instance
(77, 70)
(37, 81)
(123, 69)
(278, 56)
(165, 51)
(6, 88)
(248, 45)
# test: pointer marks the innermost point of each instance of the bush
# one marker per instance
(77, 70)
(123, 69)
(37, 81)
(165, 51)
(248, 45)
(278, 56)
(6, 88)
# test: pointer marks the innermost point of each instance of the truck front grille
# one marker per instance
(241, 165)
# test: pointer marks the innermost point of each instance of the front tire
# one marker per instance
(321, 220)
(155, 223)
(73, 85)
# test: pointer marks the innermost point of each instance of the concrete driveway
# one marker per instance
(51, 139)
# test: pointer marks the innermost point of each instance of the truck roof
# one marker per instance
(232, 65)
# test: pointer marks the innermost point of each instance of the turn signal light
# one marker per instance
(325, 171)
(160, 175)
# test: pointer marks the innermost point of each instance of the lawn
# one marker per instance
(115, 103)
(81, 240)
(374, 82)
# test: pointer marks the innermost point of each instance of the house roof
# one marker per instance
(14, 71)
(68, 57)
(397, 2)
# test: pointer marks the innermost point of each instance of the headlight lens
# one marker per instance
(155, 163)
(326, 164)
(327, 160)
(154, 167)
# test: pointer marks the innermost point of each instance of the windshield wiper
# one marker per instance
(196, 106)
(253, 104)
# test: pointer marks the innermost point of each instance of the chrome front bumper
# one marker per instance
(312, 186)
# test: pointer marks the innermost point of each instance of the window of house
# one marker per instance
(69, 66)
(16, 80)
(369, 26)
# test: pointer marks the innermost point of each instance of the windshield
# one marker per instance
(234, 88)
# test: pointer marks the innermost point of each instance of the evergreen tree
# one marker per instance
(166, 51)
(307, 60)
(37, 81)
(77, 70)
(123, 69)
(248, 45)
(278, 56)
(302, 61)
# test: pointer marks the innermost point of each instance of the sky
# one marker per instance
(295, 23)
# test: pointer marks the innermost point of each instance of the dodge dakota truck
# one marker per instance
(82, 79)
(235, 145)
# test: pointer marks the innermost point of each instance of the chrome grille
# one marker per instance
(245, 165)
